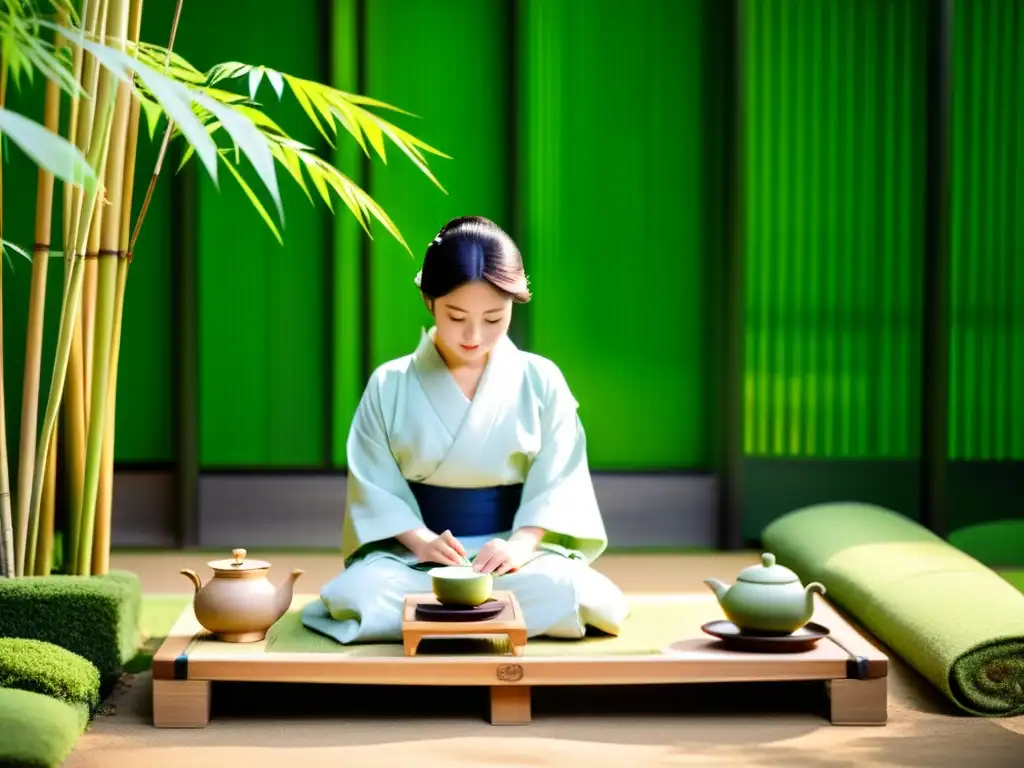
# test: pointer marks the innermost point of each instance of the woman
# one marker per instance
(472, 448)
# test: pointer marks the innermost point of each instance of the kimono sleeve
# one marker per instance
(558, 493)
(379, 504)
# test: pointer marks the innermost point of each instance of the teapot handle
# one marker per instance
(193, 577)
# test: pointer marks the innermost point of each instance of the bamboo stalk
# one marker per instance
(105, 295)
(74, 417)
(89, 287)
(97, 159)
(74, 424)
(91, 266)
(163, 142)
(105, 499)
(36, 314)
(9, 562)
(44, 549)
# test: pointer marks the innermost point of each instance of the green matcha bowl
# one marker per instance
(461, 585)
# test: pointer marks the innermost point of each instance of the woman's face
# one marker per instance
(470, 320)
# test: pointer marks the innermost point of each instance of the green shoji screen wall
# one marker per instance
(986, 276)
(263, 362)
(833, 227)
(987, 234)
(832, 166)
(612, 181)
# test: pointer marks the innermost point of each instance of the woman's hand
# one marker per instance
(444, 549)
(499, 557)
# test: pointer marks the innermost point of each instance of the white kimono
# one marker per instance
(414, 424)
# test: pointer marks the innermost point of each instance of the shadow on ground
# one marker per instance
(762, 724)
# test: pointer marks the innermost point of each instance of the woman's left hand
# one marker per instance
(499, 556)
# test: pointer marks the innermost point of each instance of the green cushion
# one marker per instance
(956, 621)
(37, 731)
(999, 543)
(1015, 577)
(96, 617)
(41, 667)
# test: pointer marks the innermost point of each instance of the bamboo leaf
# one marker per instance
(226, 71)
(317, 97)
(178, 66)
(224, 97)
(290, 162)
(322, 103)
(351, 123)
(255, 75)
(49, 150)
(7, 245)
(276, 81)
(354, 98)
(396, 135)
(252, 143)
(357, 200)
(68, 8)
(17, 249)
(316, 177)
(153, 114)
(52, 67)
(304, 102)
(262, 121)
(175, 98)
(255, 201)
(25, 51)
(376, 137)
(211, 128)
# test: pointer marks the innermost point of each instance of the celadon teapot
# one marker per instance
(239, 604)
(767, 599)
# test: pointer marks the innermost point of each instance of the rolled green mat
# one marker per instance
(956, 621)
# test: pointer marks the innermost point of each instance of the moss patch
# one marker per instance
(37, 731)
(41, 667)
(95, 617)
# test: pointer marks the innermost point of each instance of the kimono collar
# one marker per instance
(448, 400)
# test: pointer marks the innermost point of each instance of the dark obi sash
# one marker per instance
(468, 511)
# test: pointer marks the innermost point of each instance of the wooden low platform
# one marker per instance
(852, 669)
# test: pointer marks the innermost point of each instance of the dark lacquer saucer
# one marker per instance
(803, 639)
(482, 612)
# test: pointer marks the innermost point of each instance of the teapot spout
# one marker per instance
(718, 587)
(193, 577)
(286, 591)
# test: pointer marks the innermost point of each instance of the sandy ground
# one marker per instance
(701, 725)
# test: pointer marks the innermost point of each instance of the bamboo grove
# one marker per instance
(110, 85)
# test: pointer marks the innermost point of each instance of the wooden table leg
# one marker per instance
(858, 702)
(410, 642)
(517, 637)
(181, 703)
(510, 704)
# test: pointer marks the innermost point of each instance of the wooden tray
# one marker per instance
(508, 623)
(852, 669)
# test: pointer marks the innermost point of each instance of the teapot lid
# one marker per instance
(238, 563)
(768, 572)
